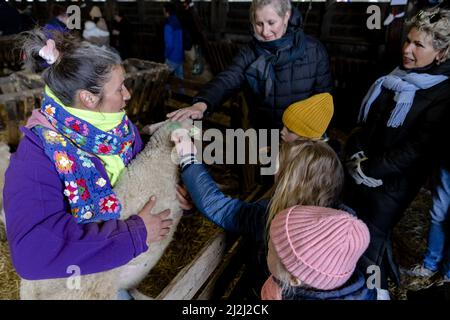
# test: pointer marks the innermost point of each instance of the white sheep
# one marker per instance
(153, 172)
(4, 162)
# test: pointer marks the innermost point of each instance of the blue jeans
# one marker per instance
(123, 294)
(438, 249)
(176, 68)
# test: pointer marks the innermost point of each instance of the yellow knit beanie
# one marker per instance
(310, 118)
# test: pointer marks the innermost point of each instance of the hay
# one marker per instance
(191, 235)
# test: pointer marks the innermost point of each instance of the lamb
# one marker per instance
(153, 172)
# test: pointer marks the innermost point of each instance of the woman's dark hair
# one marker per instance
(80, 65)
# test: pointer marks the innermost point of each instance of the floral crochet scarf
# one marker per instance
(70, 147)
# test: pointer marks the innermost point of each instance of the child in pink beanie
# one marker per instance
(313, 253)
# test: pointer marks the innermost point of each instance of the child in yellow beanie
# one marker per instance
(308, 118)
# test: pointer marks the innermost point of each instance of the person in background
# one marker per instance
(121, 38)
(58, 22)
(437, 256)
(97, 18)
(173, 41)
(10, 21)
(402, 136)
(26, 17)
(193, 27)
(96, 30)
(94, 34)
(281, 65)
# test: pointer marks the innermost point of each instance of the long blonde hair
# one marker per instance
(309, 173)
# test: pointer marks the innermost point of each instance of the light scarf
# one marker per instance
(404, 85)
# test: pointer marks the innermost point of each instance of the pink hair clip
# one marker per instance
(49, 52)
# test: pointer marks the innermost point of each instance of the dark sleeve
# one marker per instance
(43, 236)
(226, 83)
(324, 81)
(230, 214)
(424, 142)
(354, 142)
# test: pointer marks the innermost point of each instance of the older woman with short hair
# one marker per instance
(404, 118)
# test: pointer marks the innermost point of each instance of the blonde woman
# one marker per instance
(280, 65)
(403, 135)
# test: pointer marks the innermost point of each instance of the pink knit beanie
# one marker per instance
(319, 246)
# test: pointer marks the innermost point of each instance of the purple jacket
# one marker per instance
(43, 237)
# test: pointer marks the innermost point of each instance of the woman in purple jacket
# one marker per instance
(60, 180)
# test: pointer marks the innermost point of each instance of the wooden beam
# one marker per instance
(223, 275)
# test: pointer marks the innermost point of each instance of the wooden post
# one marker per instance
(189, 280)
(141, 11)
(219, 10)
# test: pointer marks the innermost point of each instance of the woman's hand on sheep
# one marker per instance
(183, 198)
(157, 225)
(193, 112)
(183, 142)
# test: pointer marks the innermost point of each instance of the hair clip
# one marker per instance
(435, 17)
(49, 52)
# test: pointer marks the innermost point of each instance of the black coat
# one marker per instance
(402, 157)
(294, 81)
